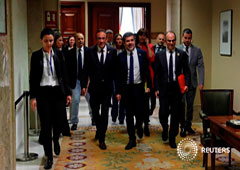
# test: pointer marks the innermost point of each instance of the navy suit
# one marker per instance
(101, 85)
(51, 100)
(169, 93)
(133, 94)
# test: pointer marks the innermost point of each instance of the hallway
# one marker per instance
(84, 121)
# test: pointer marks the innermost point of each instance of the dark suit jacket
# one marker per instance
(36, 71)
(99, 74)
(123, 70)
(71, 64)
(161, 70)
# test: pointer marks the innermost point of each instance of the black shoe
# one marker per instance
(56, 148)
(140, 132)
(183, 132)
(146, 131)
(74, 126)
(93, 123)
(173, 144)
(96, 136)
(114, 120)
(130, 145)
(165, 135)
(48, 164)
(102, 146)
(190, 130)
(121, 122)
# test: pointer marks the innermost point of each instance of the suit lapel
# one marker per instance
(107, 56)
(95, 53)
(164, 58)
(56, 63)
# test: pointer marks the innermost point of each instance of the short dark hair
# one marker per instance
(100, 30)
(187, 31)
(127, 34)
(46, 31)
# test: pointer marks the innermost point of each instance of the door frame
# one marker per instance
(91, 5)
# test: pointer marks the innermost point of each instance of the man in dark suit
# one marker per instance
(169, 64)
(133, 71)
(195, 62)
(75, 65)
(101, 62)
(49, 92)
(160, 43)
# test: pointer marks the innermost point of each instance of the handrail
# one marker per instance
(26, 156)
(25, 93)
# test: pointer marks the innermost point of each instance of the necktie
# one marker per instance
(79, 62)
(170, 75)
(50, 63)
(131, 71)
(102, 57)
(187, 49)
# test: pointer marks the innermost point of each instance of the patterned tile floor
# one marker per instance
(84, 121)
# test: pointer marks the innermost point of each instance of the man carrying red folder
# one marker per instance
(169, 64)
(195, 62)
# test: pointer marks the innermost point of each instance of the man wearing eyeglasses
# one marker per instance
(195, 62)
(101, 64)
(169, 64)
(160, 43)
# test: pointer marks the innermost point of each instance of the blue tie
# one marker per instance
(170, 75)
(131, 72)
(79, 62)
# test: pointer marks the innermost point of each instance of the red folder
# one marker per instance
(181, 81)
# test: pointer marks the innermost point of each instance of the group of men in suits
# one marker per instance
(100, 65)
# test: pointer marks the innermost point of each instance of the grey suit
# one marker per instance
(195, 62)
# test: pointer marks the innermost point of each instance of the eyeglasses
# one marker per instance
(171, 40)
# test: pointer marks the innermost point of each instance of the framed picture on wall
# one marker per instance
(226, 33)
(3, 20)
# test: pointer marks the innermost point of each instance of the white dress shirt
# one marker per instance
(49, 77)
(173, 60)
(100, 53)
(136, 67)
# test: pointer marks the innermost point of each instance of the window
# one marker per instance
(131, 19)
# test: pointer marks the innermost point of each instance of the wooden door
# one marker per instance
(72, 18)
(104, 16)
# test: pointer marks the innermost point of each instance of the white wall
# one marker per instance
(20, 57)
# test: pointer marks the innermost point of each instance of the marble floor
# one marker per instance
(84, 120)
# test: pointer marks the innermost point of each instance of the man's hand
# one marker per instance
(148, 90)
(84, 91)
(118, 97)
(185, 89)
(200, 86)
(69, 100)
(157, 93)
(33, 103)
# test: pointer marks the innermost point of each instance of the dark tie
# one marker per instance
(187, 49)
(102, 57)
(131, 71)
(170, 68)
(51, 63)
(79, 62)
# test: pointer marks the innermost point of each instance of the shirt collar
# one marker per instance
(45, 53)
(99, 49)
(133, 51)
(172, 50)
